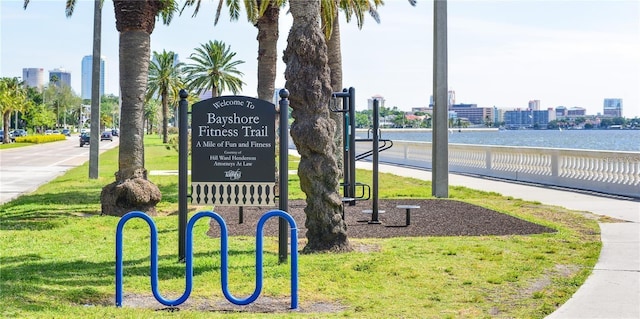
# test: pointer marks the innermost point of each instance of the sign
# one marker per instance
(233, 151)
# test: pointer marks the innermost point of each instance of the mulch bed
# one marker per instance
(435, 217)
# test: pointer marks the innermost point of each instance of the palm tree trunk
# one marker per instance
(165, 115)
(267, 52)
(5, 124)
(133, 79)
(135, 21)
(308, 81)
(335, 65)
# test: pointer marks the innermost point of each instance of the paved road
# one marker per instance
(24, 169)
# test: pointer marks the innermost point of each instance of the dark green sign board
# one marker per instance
(233, 151)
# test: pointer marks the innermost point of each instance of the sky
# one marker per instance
(500, 53)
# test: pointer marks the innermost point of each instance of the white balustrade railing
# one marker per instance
(609, 172)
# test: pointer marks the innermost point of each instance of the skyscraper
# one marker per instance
(60, 77)
(33, 77)
(87, 66)
(380, 99)
(534, 105)
(612, 107)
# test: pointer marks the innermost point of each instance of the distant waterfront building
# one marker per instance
(498, 115)
(471, 112)
(576, 112)
(33, 77)
(612, 107)
(526, 118)
(380, 99)
(60, 77)
(87, 67)
(534, 105)
(561, 112)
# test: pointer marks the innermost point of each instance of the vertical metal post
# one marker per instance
(94, 135)
(346, 147)
(283, 197)
(352, 143)
(183, 172)
(440, 147)
(374, 149)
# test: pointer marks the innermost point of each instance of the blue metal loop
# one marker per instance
(224, 252)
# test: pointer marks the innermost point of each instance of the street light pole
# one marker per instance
(440, 146)
(94, 150)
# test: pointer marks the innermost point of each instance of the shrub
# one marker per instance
(39, 139)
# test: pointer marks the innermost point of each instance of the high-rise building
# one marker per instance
(473, 113)
(33, 77)
(451, 98)
(612, 107)
(527, 118)
(60, 77)
(380, 99)
(87, 67)
(534, 105)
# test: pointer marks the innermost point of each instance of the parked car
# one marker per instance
(10, 136)
(115, 132)
(19, 132)
(48, 132)
(106, 136)
(84, 139)
(66, 132)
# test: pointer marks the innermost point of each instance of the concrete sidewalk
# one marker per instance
(613, 288)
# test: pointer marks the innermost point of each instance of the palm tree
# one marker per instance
(308, 80)
(165, 80)
(151, 114)
(264, 15)
(135, 20)
(13, 97)
(214, 69)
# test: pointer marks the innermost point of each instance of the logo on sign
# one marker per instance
(233, 175)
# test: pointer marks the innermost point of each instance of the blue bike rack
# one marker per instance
(224, 252)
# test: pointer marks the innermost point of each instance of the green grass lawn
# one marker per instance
(58, 258)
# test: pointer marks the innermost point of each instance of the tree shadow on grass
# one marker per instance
(27, 212)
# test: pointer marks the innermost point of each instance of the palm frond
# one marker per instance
(218, 10)
(69, 6)
(169, 8)
(189, 3)
(234, 9)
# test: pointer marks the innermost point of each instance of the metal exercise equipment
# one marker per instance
(350, 157)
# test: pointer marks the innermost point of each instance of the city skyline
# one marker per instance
(501, 53)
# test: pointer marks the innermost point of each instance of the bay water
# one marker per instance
(607, 140)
